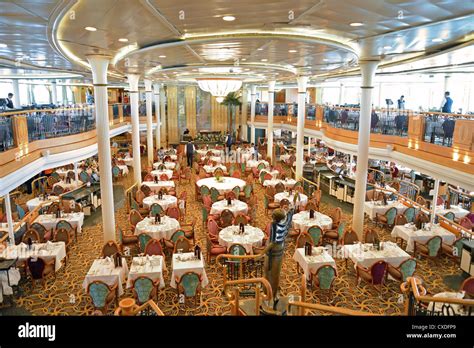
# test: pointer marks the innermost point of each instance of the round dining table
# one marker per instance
(163, 230)
(225, 185)
(303, 200)
(168, 165)
(252, 237)
(167, 201)
(35, 202)
(236, 207)
(159, 173)
(302, 222)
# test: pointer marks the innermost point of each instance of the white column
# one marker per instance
(137, 168)
(271, 100)
(65, 98)
(302, 82)
(16, 94)
(309, 146)
(54, 92)
(435, 200)
(243, 115)
(99, 65)
(76, 173)
(163, 115)
(253, 100)
(341, 94)
(368, 69)
(8, 208)
(156, 89)
(149, 122)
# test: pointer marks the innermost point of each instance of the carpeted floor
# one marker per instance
(66, 296)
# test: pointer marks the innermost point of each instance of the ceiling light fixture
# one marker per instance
(219, 87)
(264, 60)
(219, 99)
(123, 39)
(162, 56)
(259, 49)
(356, 24)
(228, 18)
(387, 47)
(90, 29)
(3, 45)
(243, 59)
(438, 39)
(292, 51)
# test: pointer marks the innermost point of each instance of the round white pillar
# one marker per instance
(271, 101)
(76, 173)
(156, 92)
(137, 168)
(302, 83)
(435, 200)
(99, 65)
(368, 68)
(243, 115)
(54, 92)
(149, 122)
(163, 121)
(16, 94)
(8, 208)
(253, 100)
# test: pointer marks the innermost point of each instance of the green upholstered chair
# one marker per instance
(144, 289)
(430, 248)
(102, 295)
(403, 271)
(316, 234)
(189, 285)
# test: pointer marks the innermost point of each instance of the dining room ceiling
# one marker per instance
(170, 40)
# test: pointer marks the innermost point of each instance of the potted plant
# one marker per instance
(232, 101)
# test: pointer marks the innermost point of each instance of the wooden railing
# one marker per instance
(418, 303)
(127, 307)
(240, 267)
(234, 295)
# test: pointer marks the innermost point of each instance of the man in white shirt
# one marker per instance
(9, 101)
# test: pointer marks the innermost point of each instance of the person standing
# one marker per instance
(228, 142)
(401, 103)
(190, 149)
(447, 103)
(9, 101)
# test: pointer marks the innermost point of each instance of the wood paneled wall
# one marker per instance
(172, 115)
(219, 116)
(190, 102)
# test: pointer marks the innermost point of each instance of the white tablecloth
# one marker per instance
(181, 267)
(252, 237)
(282, 195)
(273, 173)
(159, 173)
(284, 158)
(458, 211)
(254, 163)
(49, 221)
(168, 165)
(215, 152)
(236, 207)
(289, 183)
(247, 155)
(371, 208)
(310, 264)
(123, 169)
(104, 270)
(361, 254)
(63, 172)
(157, 186)
(148, 266)
(438, 306)
(67, 187)
(216, 159)
(128, 161)
(302, 221)
(409, 233)
(7, 281)
(210, 169)
(225, 186)
(166, 202)
(47, 251)
(164, 230)
(35, 202)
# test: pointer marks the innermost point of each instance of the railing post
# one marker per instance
(416, 130)
(20, 134)
(120, 112)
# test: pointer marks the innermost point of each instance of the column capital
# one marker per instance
(271, 86)
(157, 87)
(99, 64)
(253, 89)
(133, 80)
(368, 67)
(148, 85)
(302, 83)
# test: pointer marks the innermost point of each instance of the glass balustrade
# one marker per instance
(439, 129)
(6, 133)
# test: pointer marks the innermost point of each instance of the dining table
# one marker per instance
(251, 237)
(302, 222)
(236, 207)
(167, 201)
(311, 263)
(182, 263)
(104, 270)
(158, 230)
(49, 221)
(150, 266)
(410, 234)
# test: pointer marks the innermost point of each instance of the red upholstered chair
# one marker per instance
(468, 287)
(213, 229)
(213, 248)
(374, 275)
(174, 212)
(134, 218)
(110, 248)
(39, 269)
(148, 177)
(153, 247)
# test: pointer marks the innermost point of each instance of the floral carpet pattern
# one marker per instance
(65, 295)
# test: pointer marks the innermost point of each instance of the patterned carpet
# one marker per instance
(55, 297)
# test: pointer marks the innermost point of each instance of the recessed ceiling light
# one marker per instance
(162, 56)
(387, 47)
(356, 24)
(3, 45)
(292, 51)
(259, 49)
(123, 39)
(228, 18)
(325, 60)
(247, 69)
(438, 39)
(264, 60)
(90, 29)
(243, 59)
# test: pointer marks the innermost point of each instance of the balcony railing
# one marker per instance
(6, 134)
